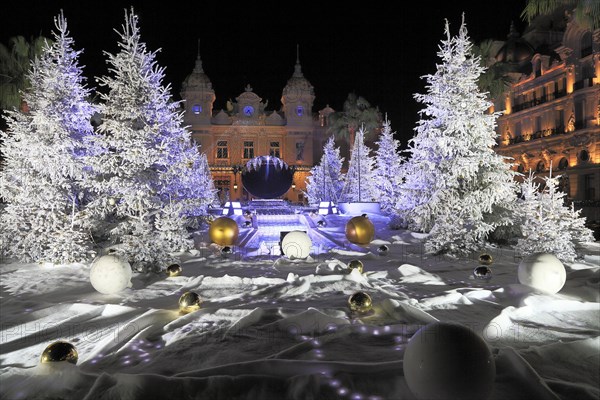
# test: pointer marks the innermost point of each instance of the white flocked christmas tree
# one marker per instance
(360, 184)
(148, 166)
(456, 187)
(547, 224)
(45, 218)
(389, 171)
(326, 180)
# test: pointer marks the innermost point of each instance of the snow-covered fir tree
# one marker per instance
(189, 181)
(45, 218)
(326, 180)
(456, 187)
(547, 224)
(360, 179)
(148, 164)
(388, 169)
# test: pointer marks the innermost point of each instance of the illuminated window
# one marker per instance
(274, 149)
(248, 149)
(222, 150)
(299, 111)
(196, 108)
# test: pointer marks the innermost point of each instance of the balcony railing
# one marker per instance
(538, 101)
(540, 134)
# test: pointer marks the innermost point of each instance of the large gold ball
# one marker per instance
(223, 231)
(485, 259)
(360, 302)
(174, 270)
(189, 302)
(360, 230)
(355, 264)
(60, 351)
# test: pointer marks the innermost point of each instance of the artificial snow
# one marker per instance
(273, 328)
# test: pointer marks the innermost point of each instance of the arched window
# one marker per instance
(586, 44)
(520, 168)
(540, 166)
(563, 164)
(584, 156)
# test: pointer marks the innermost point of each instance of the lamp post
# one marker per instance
(293, 169)
(236, 169)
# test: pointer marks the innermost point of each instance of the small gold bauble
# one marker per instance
(360, 230)
(485, 259)
(112, 201)
(223, 231)
(360, 302)
(174, 270)
(189, 302)
(355, 264)
(60, 351)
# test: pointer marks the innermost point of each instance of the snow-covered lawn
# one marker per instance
(271, 328)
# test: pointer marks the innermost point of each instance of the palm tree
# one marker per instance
(587, 12)
(15, 62)
(357, 112)
(495, 79)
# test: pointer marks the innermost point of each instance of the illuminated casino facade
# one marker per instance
(247, 129)
(551, 113)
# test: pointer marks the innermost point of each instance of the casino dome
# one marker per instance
(515, 50)
(298, 84)
(197, 79)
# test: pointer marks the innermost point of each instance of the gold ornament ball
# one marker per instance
(60, 351)
(485, 259)
(174, 270)
(482, 272)
(189, 302)
(360, 230)
(355, 264)
(223, 231)
(360, 302)
(112, 201)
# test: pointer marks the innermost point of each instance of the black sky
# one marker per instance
(377, 49)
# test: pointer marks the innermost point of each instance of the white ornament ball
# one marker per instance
(110, 274)
(542, 271)
(449, 361)
(296, 244)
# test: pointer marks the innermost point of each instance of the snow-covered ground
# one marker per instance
(271, 328)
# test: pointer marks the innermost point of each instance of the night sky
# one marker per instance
(371, 49)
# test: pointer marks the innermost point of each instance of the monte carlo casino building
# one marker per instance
(551, 111)
(246, 129)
